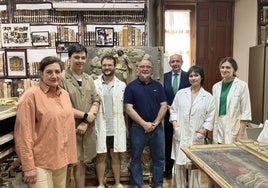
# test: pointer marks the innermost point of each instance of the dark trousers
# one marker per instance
(168, 144)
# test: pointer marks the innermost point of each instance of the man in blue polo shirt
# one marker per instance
(146, 105)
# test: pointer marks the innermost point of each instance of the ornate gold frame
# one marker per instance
(236, 165)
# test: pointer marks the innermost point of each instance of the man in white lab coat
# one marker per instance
(110, 121)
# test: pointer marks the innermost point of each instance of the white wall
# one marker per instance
(245, 34)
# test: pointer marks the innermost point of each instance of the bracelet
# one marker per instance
(85, 117)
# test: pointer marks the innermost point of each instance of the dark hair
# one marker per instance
(109, 57)
(231, 61)
(76, 48)
(48, 61)
(196, 69)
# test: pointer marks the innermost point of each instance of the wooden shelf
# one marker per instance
(6, 138)
(7, 112)
(6, 152)
(7, 115)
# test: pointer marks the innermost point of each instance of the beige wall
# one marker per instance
(245, 34)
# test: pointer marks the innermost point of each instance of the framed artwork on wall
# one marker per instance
(2, 67)
(40, 38)
(62, 47)
(16, 63)
(104, 36)
(14, 35)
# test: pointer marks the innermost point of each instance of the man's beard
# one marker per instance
(109, 74)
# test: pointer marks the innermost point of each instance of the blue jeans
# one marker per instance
(155, 140)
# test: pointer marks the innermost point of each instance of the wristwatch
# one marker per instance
(85, 117)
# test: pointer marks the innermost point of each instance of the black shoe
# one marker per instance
(168, 174)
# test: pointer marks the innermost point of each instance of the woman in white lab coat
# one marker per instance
(233, 104)
(192, 115)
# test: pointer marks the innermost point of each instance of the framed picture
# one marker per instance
(2, 67)
(232, 165)
(40, 38)
(104, 36)
(16, 63)
(14, 35)
(62, 47)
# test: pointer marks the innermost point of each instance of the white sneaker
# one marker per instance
(101, 186)
(118, 186)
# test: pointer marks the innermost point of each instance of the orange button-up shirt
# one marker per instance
(45, 129)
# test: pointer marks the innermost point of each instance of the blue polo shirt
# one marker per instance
(145, 98)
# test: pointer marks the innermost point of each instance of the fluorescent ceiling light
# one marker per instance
(98, 6)
(34, 6)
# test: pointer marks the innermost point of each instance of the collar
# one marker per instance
(143, 83)
(104, 82)
(69, 73)
(45, 88)
(178, 73)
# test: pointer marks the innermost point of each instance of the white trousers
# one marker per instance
(179, 180)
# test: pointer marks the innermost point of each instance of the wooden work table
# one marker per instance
(242, 164)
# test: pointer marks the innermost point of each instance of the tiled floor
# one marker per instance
(92, 183)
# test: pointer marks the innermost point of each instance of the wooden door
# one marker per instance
(214, 37)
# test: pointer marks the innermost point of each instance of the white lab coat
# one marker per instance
(119, 120)
(263, 136)
(190, 117)
(238, 108)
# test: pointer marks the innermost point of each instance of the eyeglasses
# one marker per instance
(145, 67)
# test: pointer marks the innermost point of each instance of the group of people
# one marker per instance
(70, 118)
(193, 112)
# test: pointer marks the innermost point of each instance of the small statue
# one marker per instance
(122, 66)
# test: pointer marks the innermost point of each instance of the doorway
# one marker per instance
(179, 36)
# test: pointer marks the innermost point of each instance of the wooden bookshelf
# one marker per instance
(262, 21)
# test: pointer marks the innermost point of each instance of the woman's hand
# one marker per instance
(82, 128)
(202, 131)
(175, 124)
(91, 117)
(30, 176)
(239, 137)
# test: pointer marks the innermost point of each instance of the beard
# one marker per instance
(145, 76)
(106, 73)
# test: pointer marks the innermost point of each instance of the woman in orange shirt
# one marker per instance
(45, 130)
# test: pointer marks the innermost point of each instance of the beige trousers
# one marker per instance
(50, 178)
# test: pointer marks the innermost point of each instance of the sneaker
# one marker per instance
(101, 186)
(118, 186)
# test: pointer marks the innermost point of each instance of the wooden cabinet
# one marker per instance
(262, 21)
(7, 121)
(214, 37)
(258, 82)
